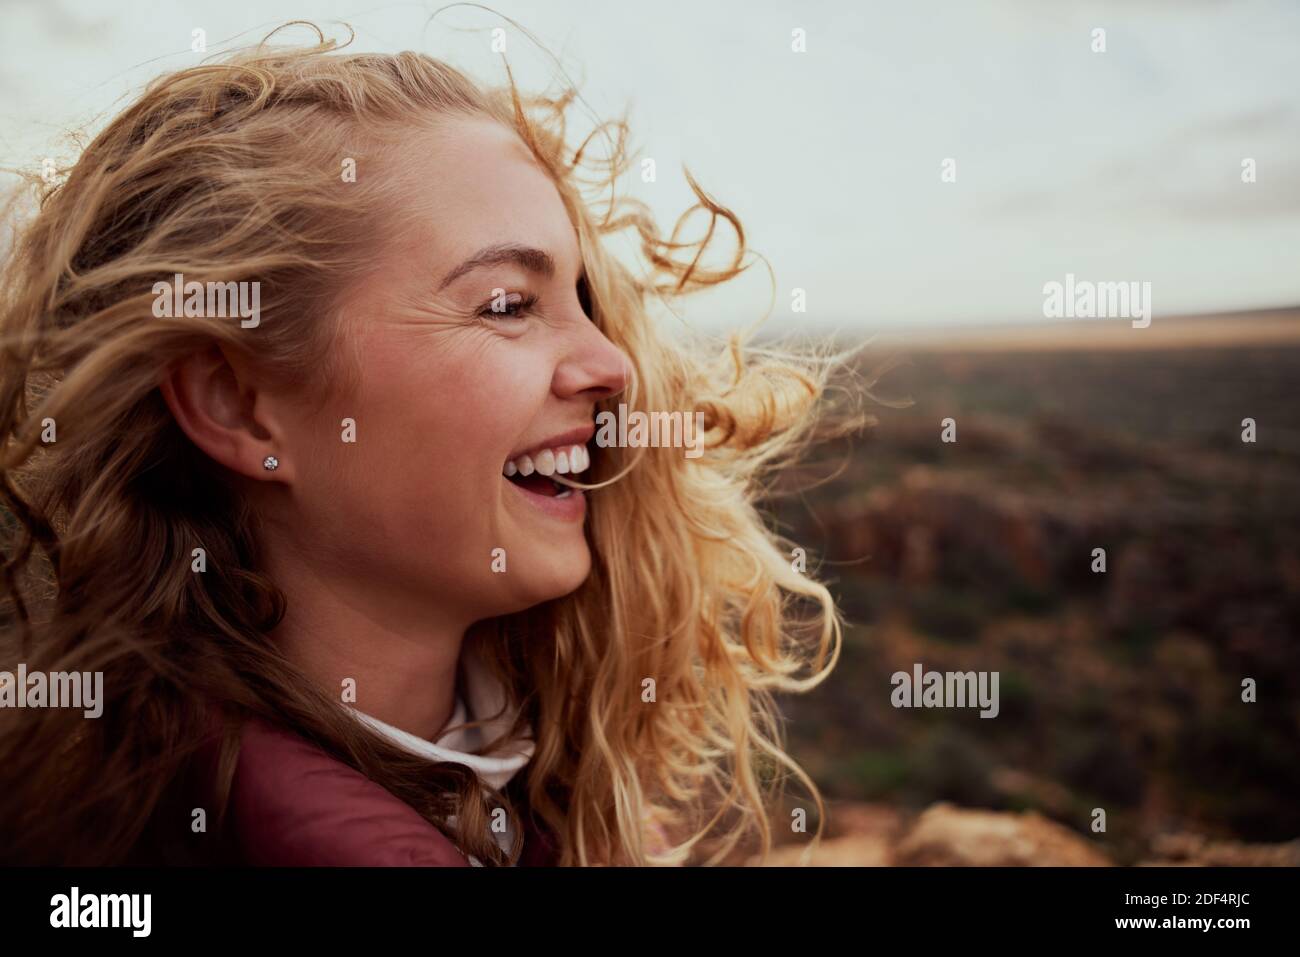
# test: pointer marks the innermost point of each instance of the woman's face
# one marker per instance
(419, 510)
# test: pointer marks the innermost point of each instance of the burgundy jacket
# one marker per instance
(291, 804)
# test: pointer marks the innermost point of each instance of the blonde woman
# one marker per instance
(302, 364)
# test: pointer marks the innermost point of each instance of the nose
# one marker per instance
(593, 368)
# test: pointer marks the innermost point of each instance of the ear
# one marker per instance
(218, 405)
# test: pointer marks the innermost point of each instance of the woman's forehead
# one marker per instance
(473, 184)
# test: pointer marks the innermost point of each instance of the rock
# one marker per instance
(857, 851)
(948, 836)
(857, 834)
(1194, 850)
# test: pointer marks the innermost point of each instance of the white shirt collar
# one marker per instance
(484, 696)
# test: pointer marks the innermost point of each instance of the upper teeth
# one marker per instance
(565, 460)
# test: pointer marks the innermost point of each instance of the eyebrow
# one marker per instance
(529, 257)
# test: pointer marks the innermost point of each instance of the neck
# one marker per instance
(401, 658)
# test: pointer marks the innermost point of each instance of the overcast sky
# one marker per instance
(1122, 165)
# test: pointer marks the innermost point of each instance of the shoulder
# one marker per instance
(291, 804)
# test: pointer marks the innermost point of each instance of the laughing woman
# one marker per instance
(302, 360)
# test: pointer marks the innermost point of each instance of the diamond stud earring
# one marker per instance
(271, 463)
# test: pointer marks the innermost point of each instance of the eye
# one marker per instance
(514, 307)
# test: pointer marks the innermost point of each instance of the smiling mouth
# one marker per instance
(541, 485)
(534, 473)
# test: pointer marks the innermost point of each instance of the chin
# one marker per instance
(545, 577)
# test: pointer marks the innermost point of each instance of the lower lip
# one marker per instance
(571, 508)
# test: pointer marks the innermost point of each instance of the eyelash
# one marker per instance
(530, 300)
(521, 306)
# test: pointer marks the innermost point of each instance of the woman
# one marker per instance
(289, 355)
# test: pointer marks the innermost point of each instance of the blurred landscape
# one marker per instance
(1119, 690)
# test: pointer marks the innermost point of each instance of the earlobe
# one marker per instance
(216, 409)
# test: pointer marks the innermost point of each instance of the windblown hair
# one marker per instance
(230, 171)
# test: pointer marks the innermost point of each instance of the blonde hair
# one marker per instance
(229, 171)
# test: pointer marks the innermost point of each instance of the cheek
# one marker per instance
(441, 419)
(469, 402)
(422, 485)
